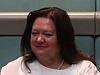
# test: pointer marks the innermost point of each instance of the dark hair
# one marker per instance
(64, 31)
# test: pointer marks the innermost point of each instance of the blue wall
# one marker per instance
(27, 5)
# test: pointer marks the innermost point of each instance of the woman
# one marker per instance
(48, 47)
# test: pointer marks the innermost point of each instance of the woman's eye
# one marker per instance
(34, 33)
(48, 34)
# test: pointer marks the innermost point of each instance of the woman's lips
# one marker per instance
(41, 46)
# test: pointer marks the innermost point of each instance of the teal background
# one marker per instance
(27, 5)
(9, 49)
(98, 5)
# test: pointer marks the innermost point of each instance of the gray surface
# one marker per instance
(83, 26)
(98, 23)
(14, 24)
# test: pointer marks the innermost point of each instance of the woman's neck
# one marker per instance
(54, 63)
(50, 62)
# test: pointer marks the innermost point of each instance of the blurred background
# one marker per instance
(84, 14)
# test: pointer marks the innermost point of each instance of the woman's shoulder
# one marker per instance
(87, 64)
(86, 67)
(14, 62)
(12, 66)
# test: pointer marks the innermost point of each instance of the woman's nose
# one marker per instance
(40, 39)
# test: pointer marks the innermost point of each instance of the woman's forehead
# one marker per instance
(44, 23)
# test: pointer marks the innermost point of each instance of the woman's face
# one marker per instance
(43, 37)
